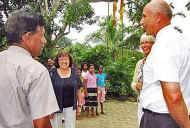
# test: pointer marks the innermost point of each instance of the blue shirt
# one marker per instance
(101, 79)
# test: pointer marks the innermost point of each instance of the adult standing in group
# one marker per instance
(66, 85)
(50, 64)
(26, 92)
(146, 42)
(166, 91)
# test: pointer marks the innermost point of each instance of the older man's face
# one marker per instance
(149, 20)
(37, 41)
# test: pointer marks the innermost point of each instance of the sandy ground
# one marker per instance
(119, 114)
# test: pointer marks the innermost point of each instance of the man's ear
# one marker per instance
(159, 17)
(26, 36)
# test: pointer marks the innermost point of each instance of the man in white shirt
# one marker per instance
(26, 93)
(166, 84)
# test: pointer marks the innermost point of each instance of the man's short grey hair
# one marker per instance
(20, 22)
(147, 38)
(161, 6)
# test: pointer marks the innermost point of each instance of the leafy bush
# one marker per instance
(121, 73)
(95, 55)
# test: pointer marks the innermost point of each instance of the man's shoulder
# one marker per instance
(27, 63)
(4, 52)
(38, 66)
(169, 32)
(34, 68)
(171, 38)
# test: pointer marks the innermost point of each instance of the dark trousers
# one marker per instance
(157, 120)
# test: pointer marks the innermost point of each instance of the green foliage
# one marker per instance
(97, 55)
(83, 53)
(74, 14)
(77, 12)
(110, 35)
(3, 44)
(121, 73)
(71, 15)
(132, 41)
(135, 9)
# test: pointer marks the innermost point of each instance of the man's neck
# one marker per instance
(23, 45)
(161, 27)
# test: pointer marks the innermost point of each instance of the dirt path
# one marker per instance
(119, 114)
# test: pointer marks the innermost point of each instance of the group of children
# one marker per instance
(93, 90)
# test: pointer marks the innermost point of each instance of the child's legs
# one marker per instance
(78, 111)
(102, 108)
(102, 98)
(101, 94)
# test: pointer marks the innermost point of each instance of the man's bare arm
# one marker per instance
(42, 122)
(175, 103)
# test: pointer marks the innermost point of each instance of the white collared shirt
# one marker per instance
(169, 61)
(26, 92)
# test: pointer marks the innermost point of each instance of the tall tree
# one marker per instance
(110, 35)
(60, 16)
(134, 9)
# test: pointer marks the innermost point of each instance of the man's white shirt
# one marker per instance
(169, 61)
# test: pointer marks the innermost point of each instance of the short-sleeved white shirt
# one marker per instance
(169, 60)
(83, 74)
(26, 92)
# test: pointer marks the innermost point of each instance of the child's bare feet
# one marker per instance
(102, 113)
(93, 114)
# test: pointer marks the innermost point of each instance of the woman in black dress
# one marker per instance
(66, 86)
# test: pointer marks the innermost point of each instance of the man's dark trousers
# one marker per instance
(157, 120)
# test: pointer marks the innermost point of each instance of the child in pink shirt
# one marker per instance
(91, 90)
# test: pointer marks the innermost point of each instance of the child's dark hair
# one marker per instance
(82, 65)
(90, 65)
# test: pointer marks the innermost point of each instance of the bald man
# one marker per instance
(166, 83)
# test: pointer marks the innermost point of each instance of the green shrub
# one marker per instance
(121, 73)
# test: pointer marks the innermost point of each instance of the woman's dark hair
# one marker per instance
(63, 54)
(21, 22)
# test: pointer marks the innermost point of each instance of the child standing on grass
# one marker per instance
(81, 95)
(91, 90)
(101, 82)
